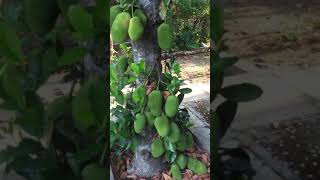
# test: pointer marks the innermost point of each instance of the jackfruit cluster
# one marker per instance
(124, 26)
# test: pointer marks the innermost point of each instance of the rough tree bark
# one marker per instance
(143, 164)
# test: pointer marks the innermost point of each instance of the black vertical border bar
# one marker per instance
(214, 146)
(107, 84)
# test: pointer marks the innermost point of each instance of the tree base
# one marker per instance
(143, 164)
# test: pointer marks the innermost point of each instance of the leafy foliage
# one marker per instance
(31, 51)
(231, 163)
(190, 19)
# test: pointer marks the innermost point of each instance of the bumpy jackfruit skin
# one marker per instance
(155, 102)
(201, 168)
(174, 134)
(120, 27)
(182, 161)
(175, 171)
(122, 64)
(139, 123)
(162, 125)
(139, 13)
(171, 106)
(150, 119)
(41, 15)
(189, 140)
(197, 166)
(135, 29)
(181, 144)
(114, 11)
(157, 148)
(192, 164)
(82, 109)
(165, 36)
(94, 172)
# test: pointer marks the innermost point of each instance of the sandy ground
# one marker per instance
(195, 68)
(278, 32)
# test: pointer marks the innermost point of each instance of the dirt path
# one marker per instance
(278, 32)
(195, 68)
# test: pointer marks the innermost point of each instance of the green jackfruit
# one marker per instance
(175, 171)
(41, 15)
(94, 172)
(123, 64)
(155, 102)
(82, 109)
(162, 125)
(135, 29)
(174, 134)
(201, 168)
(139, 123)
(171, 106)
(114, 11)
(139, 13)
(150, 119)
(157, 148)
(189, 140)
(192, 164)
(197, 166)
(182, 161)
(120, 27)
(165, 36)
(181, 144)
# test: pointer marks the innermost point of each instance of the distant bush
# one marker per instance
(191, 23)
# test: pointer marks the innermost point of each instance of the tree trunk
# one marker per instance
(143, 164)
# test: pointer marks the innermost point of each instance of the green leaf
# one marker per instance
(185, 90)
(142, 66)
(139, 94)
(49, 62)
(72, 56)
(171, 156)
(33, 118)
(135, 68)
(25, 147)
(101, 13)
(169, 145)
(225, 114)
(180, 98)
(241, 92)
(176, 68)
(12, 84)
(225, 62)
(98, 97)
(10, 45)
(81, 21)
(57, 108)
(88, 152)
(217, 23)
(217, 74)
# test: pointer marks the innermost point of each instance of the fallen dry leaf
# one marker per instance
(123, 175)
(165, 94)
(166, 177)
(132, 176)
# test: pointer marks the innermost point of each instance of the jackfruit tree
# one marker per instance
(61, 136)
(147, 120)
